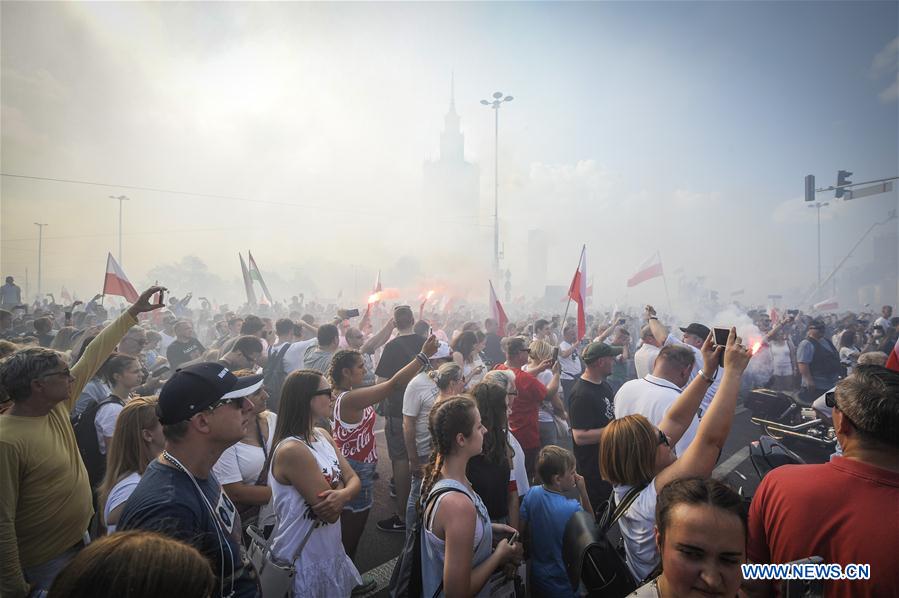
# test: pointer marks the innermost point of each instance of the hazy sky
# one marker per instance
(685, 127)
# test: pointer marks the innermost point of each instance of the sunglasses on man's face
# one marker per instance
(830, 399)
(236, 401)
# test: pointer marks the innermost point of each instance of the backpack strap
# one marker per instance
(626, 503)
(430, 502)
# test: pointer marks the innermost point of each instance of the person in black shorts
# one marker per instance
(397, 354)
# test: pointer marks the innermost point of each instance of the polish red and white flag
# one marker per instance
(893, 359)
(497, 312)
(827, 305)
(651, 268)
(116, 283)
(578, 292)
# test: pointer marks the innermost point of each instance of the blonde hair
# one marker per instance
(446, 374)
(502, 378)
(128, 453)
(540, 351)
(627, 451)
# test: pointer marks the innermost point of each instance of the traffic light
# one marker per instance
(842, 179)
(809, 187)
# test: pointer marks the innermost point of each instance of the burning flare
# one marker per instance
(755, 347)
(374, 298)
(430, 294)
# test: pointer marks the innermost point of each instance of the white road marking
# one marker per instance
(731, 463)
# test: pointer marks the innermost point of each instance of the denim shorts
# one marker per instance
(365, 498)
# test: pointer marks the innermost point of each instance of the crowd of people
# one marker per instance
(146, 451)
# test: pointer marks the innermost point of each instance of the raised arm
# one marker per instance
(680, 415)
(659, 330)
(700, 457)
(378, 338)
(355, 401)
(105, 342)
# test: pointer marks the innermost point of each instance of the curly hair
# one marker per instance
(454, 416)
(19, 369)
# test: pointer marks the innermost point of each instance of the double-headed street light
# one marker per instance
(497, 101)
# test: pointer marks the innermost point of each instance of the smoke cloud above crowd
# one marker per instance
(309, 134)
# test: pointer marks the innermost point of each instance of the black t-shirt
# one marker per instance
(493, 350)
(591, 408)
(166, 501)
(491, 482)
(179, 352)
(397, 355)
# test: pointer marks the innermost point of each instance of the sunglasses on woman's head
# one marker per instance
(322, 391)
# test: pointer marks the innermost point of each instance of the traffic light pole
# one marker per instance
(850, 185)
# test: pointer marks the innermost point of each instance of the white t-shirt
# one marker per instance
(243, 462)
(638, 530)
(697, 365)
(571, 365)
(780, 358)
(118, 495)
(651, 397)
(293, 359)
(105, 422)
(519, 473)
(418, 400)
(645, 359)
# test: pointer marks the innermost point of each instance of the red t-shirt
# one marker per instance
(844, 511)
(524, 407)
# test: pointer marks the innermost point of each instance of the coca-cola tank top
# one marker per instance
(356, 441)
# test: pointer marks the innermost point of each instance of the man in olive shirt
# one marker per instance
(45, 497)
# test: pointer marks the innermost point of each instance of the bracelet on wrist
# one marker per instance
(705, 376)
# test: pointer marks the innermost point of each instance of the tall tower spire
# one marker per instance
(452, 141)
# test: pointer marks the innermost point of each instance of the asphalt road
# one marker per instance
(378, 549)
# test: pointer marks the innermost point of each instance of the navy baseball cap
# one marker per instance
(194, 388)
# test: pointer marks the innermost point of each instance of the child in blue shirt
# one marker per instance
(545, 511)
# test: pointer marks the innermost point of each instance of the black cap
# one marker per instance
(597, 350)
(817, 324)
(697, 329)
(196, 387)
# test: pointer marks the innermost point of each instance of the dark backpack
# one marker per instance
(591, 558)
(89, 444)
(274, 375)
(405, 582)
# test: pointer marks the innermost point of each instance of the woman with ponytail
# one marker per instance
(457, 557)
(418, 400)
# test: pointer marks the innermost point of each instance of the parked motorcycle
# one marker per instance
(787, 417)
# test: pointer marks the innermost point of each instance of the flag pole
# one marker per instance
(567, 305)
(665, 281)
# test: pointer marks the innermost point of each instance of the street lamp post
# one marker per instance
(497, 101)
(121, 198)
(40, 254)
(818, 205)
